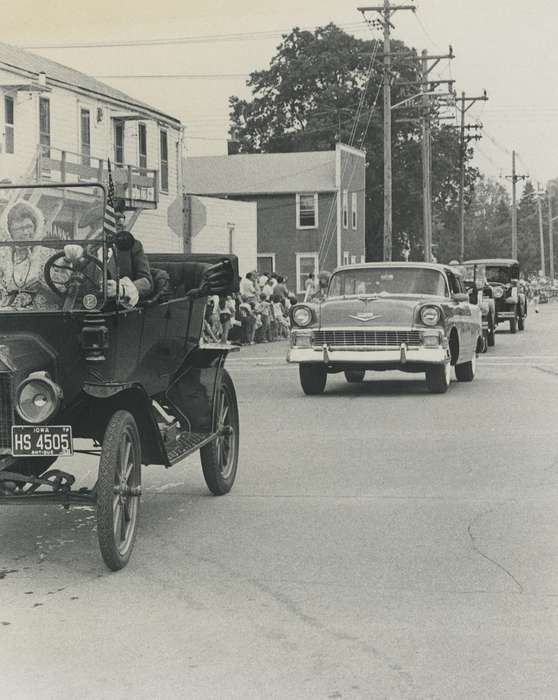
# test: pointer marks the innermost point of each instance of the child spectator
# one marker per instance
(263, 333)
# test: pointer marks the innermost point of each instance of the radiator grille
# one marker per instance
(6, 411)
(340, 338)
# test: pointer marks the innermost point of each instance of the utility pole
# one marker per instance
(464, 104)
(550, 233)
(515, 178)
(540, 195)
(387, 10)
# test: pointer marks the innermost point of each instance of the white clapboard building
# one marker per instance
(60, 125)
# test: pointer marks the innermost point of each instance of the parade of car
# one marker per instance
(412, 317)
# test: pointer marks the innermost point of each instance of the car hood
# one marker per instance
(392, 311)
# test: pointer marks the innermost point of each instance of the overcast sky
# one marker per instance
(508, 47)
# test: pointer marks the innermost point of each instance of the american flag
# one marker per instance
(110, 219)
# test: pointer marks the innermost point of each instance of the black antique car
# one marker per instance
(82, 373)
(481, 294)
(502, 275)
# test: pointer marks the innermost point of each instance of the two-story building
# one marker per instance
(310, 205)
(60, 125)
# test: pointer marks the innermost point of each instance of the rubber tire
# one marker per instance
(491, 333)
(120, 422)
(220, 483)
(313, 378)
(521, 323)
(354, 376)
(437, 381)
(465, 372)
(482, 345)
(513, 324)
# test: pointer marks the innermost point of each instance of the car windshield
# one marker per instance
(52, 256)
(387, 280)
(473, 273)
(498, 273)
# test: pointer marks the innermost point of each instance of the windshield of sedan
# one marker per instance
(501, 274)
(52, 256)
(387, 280)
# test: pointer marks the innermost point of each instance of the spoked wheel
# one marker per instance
(118, 490)
(354, 376)
(220, 458)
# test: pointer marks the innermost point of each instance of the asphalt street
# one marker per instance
(380, 542)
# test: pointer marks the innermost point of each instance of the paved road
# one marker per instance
(380, 542)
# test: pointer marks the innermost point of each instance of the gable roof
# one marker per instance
(14, 58)
(261, 173)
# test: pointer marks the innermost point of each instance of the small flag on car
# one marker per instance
(110, 218)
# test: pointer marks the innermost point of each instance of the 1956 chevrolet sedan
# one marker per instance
(413, 317)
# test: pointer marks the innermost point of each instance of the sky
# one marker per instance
(507, 47)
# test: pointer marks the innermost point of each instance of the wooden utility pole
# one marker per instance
(387, 10)
(515, 178)
(550, 233)
(540, 195)
(464, 104)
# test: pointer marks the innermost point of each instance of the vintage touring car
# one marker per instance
(502, 275)
(414, 317)
(481, 294)
(83, 373)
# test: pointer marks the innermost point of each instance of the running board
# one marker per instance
(188, 443)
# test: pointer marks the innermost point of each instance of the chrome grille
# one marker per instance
(342, 338)
(6, 411)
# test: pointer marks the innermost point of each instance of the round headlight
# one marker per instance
(302, 316)
(430, 315)
(498, 292)
(37, 398)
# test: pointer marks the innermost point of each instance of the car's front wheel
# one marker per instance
(521, 322)
(313, 378)
(438, 378)
(513, 323)
(354, 376)
(491, 332)
(465, 372)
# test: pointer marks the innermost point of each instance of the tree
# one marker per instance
(325, 86)
(528, 247)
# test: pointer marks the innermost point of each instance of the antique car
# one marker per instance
(85, 373)
(502, 275)
(413, 317)
(480, 293)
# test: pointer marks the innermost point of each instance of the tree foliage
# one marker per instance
(322, 87)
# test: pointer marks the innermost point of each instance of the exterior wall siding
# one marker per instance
(159, 229)
(352, 178)
(209, 229)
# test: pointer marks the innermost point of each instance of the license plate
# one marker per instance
(42, 440)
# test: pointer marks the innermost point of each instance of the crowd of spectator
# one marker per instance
(258, 313)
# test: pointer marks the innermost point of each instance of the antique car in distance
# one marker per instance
(502, 275)
(413, 317)
(481, 294)
(84, 373)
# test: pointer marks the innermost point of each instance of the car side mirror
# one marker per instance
(459, 297)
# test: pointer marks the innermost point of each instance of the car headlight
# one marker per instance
(430, 315)
(38, 398)
(302, 316)
(498, 292)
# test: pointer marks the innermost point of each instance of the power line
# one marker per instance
(201, 39)
(168, 76)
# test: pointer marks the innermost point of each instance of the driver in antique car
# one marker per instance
(22, 282)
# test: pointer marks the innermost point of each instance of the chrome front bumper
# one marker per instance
(369, 356)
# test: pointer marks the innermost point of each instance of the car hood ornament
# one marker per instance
(365, 317)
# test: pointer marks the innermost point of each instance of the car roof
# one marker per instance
(417, 265)
(492, 261)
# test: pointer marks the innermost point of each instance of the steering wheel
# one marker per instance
(74, 272)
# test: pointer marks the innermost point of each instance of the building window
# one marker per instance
(44, 126)
(85, 135)
(266, 263)
(306, 263)
(164, 161)
(119, 142)
(345, 209)
(345, 257)
(354, 210)
(9, 124)
(307, 210)
(142, 145)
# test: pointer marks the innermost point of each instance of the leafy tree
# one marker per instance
(528, 235)
(316, 92)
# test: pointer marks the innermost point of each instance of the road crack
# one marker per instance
(477, 549)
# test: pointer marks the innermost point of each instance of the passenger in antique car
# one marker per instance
(136, 281)
(22, 281)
